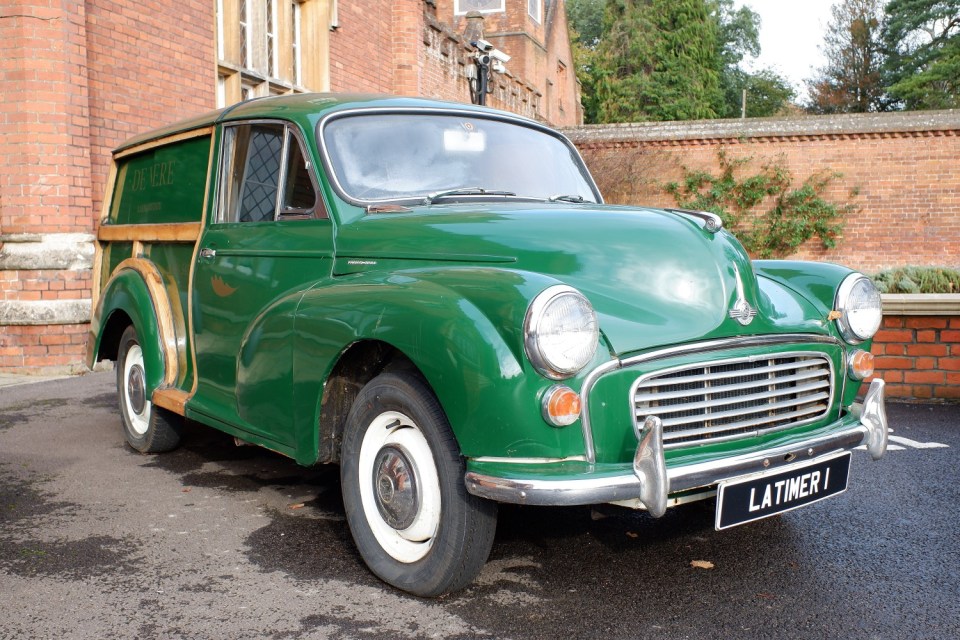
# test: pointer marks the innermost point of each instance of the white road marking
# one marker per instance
(908, 443)
(918, 445)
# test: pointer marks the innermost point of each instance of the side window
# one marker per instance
(298, 194)
(264, 175)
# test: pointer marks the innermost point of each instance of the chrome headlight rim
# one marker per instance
(844, 326)
(531, 322)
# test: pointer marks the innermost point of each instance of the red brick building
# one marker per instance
(80, 76)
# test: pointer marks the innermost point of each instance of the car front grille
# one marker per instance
(734, 398)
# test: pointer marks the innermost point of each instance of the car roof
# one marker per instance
(303, 107)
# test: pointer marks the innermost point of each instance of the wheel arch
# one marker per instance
(134, 295)
(454, 326)
(357, 365)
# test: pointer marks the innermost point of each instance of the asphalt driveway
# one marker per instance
(219, 541)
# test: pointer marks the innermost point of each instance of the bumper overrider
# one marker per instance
(651, 481)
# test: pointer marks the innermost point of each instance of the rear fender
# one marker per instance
(136, 289)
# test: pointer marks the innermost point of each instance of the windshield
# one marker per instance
(406, 156)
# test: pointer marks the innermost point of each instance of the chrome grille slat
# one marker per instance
(778, 393)
(721, 375)
(644, 397)
(735, 397)
(761, 408)
(758, 422)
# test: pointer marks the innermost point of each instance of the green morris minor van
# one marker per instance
(435, 297)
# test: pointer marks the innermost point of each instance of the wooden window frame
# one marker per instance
(300, 45)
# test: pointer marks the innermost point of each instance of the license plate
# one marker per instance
(747, 499)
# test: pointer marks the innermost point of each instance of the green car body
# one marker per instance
(270, 328)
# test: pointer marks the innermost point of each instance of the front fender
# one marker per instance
(815, 281)
(462, 328)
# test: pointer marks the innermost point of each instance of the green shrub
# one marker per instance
(918, 280)
(767, 212)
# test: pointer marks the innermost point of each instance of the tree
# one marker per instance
(921, 39)
(850, 82)
(738, 38)
(585, 18)
(768, 93)
(633, 65)
(657, 60)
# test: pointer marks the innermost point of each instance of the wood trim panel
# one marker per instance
(98, 254)
(170, 232)
(162, 311)
(212, 174)
(174, 400)
(159, 142)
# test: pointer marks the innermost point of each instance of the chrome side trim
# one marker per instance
(628, 486)
(708, 346)
(496, 460)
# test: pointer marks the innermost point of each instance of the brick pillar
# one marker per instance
(473, 30)
(407, 46)
(46, 241)
(919, 357)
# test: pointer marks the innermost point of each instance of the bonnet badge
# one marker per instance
(742, 312)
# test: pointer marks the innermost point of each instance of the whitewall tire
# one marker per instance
(408, 509)
(147, 428)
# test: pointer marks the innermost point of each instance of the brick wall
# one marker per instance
(410, 48)
(918, 346)
(361, 51)
(142, 73)
(904, 166)
(919, 357)
(78, 78)
(45, 162)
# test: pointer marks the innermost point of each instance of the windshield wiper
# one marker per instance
(566, 198)
(464, 191)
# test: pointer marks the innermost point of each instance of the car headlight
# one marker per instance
(560, 332)
(858, 302)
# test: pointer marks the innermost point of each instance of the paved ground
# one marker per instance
(215, 541)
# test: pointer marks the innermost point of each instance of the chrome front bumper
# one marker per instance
(651, 481)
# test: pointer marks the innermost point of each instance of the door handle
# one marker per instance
(207, 253)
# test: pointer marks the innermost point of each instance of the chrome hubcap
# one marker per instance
(395, 487)
(136, 389)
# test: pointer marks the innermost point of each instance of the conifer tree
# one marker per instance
(921, 40)
(657, 60)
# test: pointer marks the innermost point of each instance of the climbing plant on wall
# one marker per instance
(764, 207)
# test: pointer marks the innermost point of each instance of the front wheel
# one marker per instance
(148, 428)
(408, 509)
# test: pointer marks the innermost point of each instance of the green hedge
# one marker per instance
(918, 280)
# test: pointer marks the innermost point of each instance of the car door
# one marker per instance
(269, 239)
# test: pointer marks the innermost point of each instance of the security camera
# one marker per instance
(487, 47)
(496, 54)
(483, 45)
